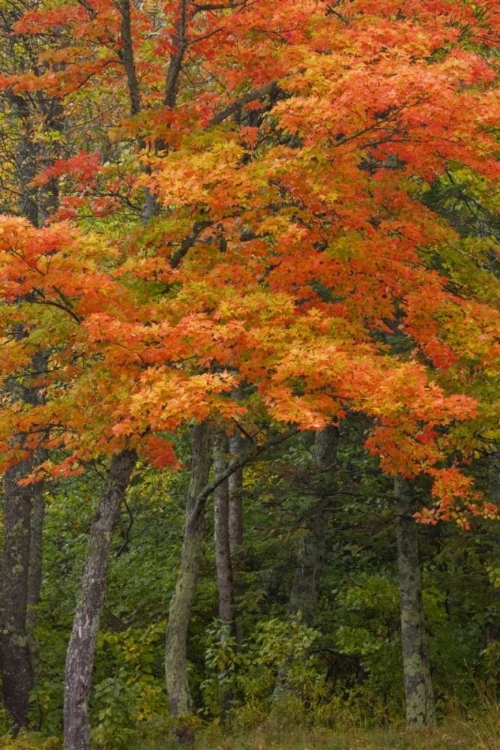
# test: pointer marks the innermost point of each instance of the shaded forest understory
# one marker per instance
(315, 634)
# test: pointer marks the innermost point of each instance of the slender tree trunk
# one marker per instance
(15, 659)
(35, 570)
(235, 521)
(36, 554)
(495, 477)
(17, 669)
(80, 654)
(180, 605)
(235, 527)
(420, 710)
(224, 568)
(492, 632)
(23, 506)
(17, 652)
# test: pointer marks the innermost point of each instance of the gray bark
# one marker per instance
(35, 571)
(36, 554)
(17, 652)
(420, 710)
(492, 632)
(200, 490)
(180, 605)
(127, 55)
(23, 506)
(235, 521)
(81, 648)
(17, 669)
(235, 528)
(15, 657)
(495, 477)
(223, 563)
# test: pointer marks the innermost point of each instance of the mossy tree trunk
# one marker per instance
(492, 633)
(21, 569)
(17, 668)
(235, 522)
(180, 606)
(81, 649)
(223, 562)
(419, 697)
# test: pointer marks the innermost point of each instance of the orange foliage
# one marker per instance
(289, 250)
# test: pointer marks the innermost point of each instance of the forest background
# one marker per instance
(249, 274)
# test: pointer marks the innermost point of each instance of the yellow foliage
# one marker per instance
(30, 741)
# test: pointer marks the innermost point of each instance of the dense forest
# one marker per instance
(250, 330)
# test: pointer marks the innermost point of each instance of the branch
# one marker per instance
(252, 96)
(188, 242)
(176, 59)
(238, 463)
(127, 55)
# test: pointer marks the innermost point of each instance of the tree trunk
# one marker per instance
(420, 710)
(16, 646)
(35, 571)
(224, 568)
(492, 631)
(180, 605)
(235, 522)
(80, 654)
(23, 506)
(17, 669)
(36, 553)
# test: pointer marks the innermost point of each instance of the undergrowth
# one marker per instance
(478, 732)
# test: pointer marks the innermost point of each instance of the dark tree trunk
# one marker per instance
(492, 631)
(80, 654)
(180, 605)
(36, 553)
(17, 669)
(495, 477)
(420, 710)
(35, 570)
(17, 651)
(224, 568)
(23, 506)
(235, 526)
(235, 521)
(15, 656)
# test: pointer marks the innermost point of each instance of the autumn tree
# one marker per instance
(262, 224)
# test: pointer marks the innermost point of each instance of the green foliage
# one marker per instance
(343, 672)
(242, 678)
(134, 695)
(30, 741)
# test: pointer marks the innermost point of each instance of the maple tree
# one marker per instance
(302, 231)
(250, 213)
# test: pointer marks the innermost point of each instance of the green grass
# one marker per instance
(479, 734)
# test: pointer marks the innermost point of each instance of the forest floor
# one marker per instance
(480, 734)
